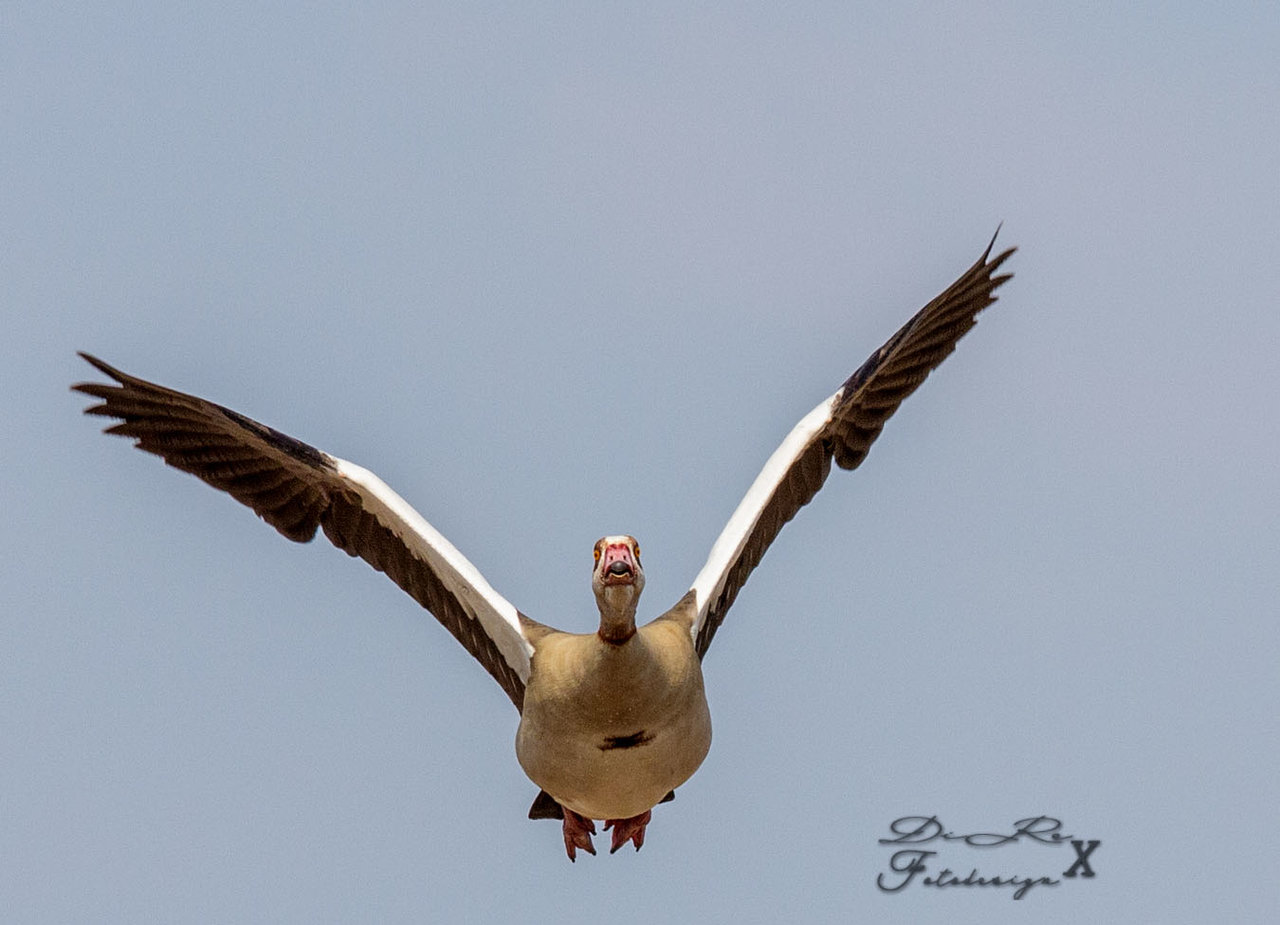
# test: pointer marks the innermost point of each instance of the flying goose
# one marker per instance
(611, 722)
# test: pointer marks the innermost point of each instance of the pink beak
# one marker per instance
(618, 565)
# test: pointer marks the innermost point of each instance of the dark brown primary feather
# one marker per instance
(866, 400)
(289, 484)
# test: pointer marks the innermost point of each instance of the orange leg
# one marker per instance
(577, 834)
(627, 830)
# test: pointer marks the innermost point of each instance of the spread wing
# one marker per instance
(297, 489)
(842, 428)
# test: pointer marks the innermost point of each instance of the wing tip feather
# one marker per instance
(102, 367)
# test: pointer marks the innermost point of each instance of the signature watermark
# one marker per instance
(912, 864)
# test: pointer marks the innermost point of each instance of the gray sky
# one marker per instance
(559, 273)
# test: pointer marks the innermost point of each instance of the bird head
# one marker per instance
(617, 578)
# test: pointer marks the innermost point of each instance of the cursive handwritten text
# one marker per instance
(908, 863)
(919, 830)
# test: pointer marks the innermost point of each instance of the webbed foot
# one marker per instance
(577, 834)
(628, 830)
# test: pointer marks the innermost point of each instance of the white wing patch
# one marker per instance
(497, 616)
(728, 546)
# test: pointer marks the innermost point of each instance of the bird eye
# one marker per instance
(596, 553)
(636, 547)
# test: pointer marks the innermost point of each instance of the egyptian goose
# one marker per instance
(611, 722)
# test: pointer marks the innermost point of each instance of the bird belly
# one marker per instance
(614, 772)
(611, 740)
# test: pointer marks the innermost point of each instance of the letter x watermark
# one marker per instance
(1082, 858)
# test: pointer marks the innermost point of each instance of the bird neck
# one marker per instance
(617, 605)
